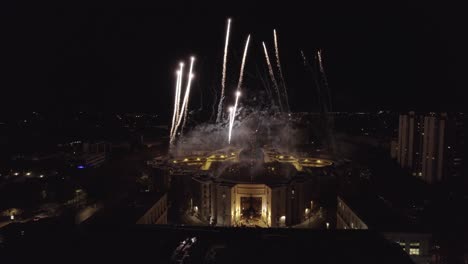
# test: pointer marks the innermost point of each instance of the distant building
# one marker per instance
(367, 212)
(430, 146)
(88, 155)
(91, 160)
(141, 208)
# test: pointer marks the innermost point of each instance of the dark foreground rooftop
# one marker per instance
(43, 243)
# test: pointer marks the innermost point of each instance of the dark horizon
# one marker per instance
(398, 57)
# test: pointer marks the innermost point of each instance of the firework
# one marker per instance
(183, 109)
(187, 95)
(177, 109)
(232, 115)
(272, 75)
(175, 101)
(244, 57)
(285, 91)
(223, 80)
(230, 124)
(324, 77)
(179, 89)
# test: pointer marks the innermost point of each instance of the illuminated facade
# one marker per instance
(254, 187)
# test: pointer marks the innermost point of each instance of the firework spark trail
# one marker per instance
(232, 116)
(223, 80)
(272, 75)
(184, 102)
(187, 94)
(179, 89)
(266, 85)
(324, 76)
(233, 110)
(244, 57)
(230, 124)
(179, 73)
(285, 90)
(177, 101)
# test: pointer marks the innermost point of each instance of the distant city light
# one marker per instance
(41, 176)
(80, 167)
(16, 173)
(28, 173)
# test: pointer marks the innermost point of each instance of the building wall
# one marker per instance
(346, 218)
(278, 206)
(430, 146)
(223, 205)
(433, 148)
(157, 214)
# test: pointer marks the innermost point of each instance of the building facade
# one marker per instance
(430, 146)
(415, 244)
(157, 214)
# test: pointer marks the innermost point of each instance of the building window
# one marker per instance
(414, 248)
(402, 244)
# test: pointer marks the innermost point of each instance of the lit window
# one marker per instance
(414, 248)
(402, 244)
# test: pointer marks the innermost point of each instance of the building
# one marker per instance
(433, 147)
(410, 137)
(430, 146)
(157, 214)
(250, 187)
(366, 212)
(141, 208)
(88, 155)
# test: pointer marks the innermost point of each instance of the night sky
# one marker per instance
(399, 56)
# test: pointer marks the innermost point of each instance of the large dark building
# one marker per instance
(430, 146)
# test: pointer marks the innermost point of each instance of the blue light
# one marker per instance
(80, 167)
